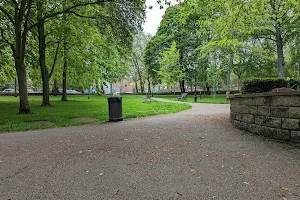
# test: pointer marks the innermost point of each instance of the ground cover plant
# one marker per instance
(218, 99)
(61, 113)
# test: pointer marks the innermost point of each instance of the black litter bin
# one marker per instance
(115, 109)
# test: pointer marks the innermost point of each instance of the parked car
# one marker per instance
(9, 91)
(34, 91)
(73, 92)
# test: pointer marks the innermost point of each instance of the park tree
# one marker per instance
(233, 22)
(170, 71)
(137, 66)
(183, 32)
(18, 18)
(15, 25)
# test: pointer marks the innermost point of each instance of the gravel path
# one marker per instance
(194, 154)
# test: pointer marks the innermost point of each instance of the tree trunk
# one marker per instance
(42, 60)
(55, 88)
(111, 89)
(136, 87)
(142, 85)
(149, 85)
(279, 44)
(239, 77)
(229, 66)
(19, 56)
(22, 80)
(65, 69)
(16, 87)
(142, 89)
(64, 82)
(182, 88)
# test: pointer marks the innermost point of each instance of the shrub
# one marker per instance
(268, 84)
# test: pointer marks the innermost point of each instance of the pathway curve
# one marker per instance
(194, 154)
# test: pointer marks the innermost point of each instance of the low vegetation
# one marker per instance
(61, 113)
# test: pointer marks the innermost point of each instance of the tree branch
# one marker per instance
(69, 9)
(26, 29)
(75, 6)
(82, 16)
(55, 59)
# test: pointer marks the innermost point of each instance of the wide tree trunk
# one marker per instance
(22, 80)
(65, 69)
(279, 44)
(19, 56)
(42, 60)
(181, 84)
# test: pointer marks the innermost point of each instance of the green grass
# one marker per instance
(61, 112)
(219, 98)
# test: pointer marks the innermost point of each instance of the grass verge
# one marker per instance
(217, 99)
(61, 113)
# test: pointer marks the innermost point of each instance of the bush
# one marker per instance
(268, 84)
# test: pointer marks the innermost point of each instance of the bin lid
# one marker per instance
(114, 100)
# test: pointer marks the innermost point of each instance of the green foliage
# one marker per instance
(170, 69)
(268, 84)
(61, 113)
(171, 29)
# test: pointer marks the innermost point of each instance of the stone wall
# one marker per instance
(274, 115)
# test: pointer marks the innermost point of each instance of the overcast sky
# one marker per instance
(154, 17)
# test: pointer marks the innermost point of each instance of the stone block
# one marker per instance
(283, 135)
(235, 101)
(292, 124)
(234, 108)
(280, 112)
(253, 110)
(273, 122)
(239, 117)
(260, 120)
(295, 100)
(244, 109)
(295, 136)
(256, 129)
(294, 112)
(248, 118)
(282, 101)
(264, 110)
(269, 132)
(233, 115)
(245, 126)
(261, 101)
(237, 124)
(246, 101)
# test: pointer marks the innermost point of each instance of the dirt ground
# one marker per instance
(194, 154)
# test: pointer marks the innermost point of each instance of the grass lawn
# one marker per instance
(219, 98)
(61, 113)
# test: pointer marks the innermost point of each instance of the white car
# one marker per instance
(73, 92)
(9, 91)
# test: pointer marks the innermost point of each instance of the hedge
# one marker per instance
(268, 84)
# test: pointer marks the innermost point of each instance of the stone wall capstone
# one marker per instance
(274, 115)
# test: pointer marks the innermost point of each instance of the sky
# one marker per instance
(153, 17)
